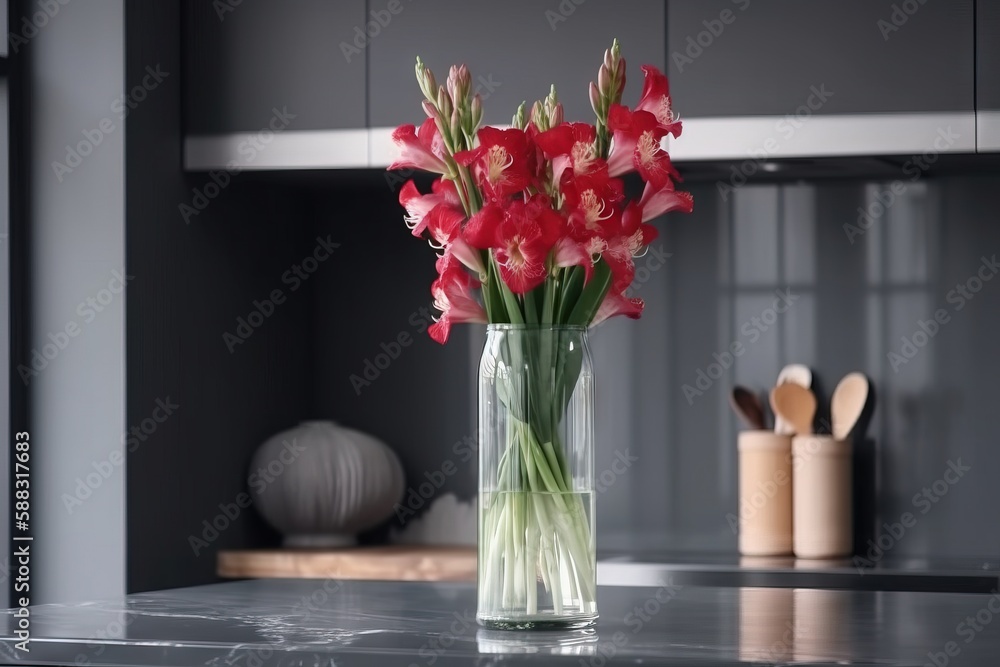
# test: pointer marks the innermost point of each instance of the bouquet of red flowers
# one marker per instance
(535, 217)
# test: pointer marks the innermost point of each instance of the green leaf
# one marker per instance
(593, 294)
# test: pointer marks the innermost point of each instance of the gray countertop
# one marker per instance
(313, 622)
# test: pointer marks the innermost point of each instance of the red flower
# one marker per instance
(635, 229)
(637, 136)
(568, 252)
(592, 202)
(419, 150)
(502, 163)
(521, 236)
(453, 297)
(656, 202)
(481, 230)
(616, 303)
(656, 100)
(618, 255)
(571, 145)
(418, 206)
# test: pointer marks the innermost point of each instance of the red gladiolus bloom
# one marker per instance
(481, 230)
(655, 202)
(571, 145)
(501, 164)
(616, 303)
(453, 297)
(656, 100)
(418, 206)
(637, 136)
(419, 150)
(618, 255)
(524, 238)
(635, 230)
(591, 202)
(568, 252)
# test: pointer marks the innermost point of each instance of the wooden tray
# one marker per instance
(395, 562)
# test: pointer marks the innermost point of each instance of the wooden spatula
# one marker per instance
(796, 405)
(849, 399)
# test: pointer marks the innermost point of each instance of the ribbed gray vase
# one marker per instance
(332, 483)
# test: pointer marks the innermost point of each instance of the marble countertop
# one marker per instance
(345, 623)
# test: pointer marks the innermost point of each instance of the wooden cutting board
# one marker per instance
(394, 562)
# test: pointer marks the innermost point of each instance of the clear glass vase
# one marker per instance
(537, 565)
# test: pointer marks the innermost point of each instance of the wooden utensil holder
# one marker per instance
(765, 493)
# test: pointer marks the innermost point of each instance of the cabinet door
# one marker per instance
(245, 59)
(988, 75)
(766, 57)
(515, 50)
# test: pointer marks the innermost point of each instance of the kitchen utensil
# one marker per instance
(765, 493)
(822, 508)
(796, 374)
(849, 399)
(796, 405)
(748, 407)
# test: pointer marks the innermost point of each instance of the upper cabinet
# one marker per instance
(898, 71)
(988, 74)
(273, 69)
(299, 84)
(515, 50)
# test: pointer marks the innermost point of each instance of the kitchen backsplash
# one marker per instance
(890, 277)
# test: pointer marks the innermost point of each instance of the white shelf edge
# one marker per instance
(988, 131)
(746, 137)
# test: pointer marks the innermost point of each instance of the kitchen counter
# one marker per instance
(315, 622)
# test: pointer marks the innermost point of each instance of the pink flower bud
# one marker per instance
(430, 109)
(604, 80)
(459, 82)
(621, 78)
(477, 110)
(595, 98)
(556, 115)
(444, 102)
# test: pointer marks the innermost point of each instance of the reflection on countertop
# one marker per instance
(930, 575)
(316, 622)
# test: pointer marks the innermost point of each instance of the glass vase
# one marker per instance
(537, 567)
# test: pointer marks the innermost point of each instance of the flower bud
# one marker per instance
(540, 116)
(425, 79)
(444, 102)
(604, 80)
(459, 83)
(621, 80)
(519, 121)
(556, 115)
(595, 98)
(456, 123)
(476, 109)
(430, 110)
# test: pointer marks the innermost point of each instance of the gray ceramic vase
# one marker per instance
(320, 484)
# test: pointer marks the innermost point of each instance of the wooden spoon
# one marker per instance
(747, 407)
(796, 374)
(796, 405)
(849, 399)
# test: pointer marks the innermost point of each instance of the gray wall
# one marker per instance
(855, 303)
(194, 278)
(77, 226)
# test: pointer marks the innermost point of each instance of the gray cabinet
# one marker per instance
(248, 61)
(988, 76)
(515, 50)
(768, 57)
(988, 55)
